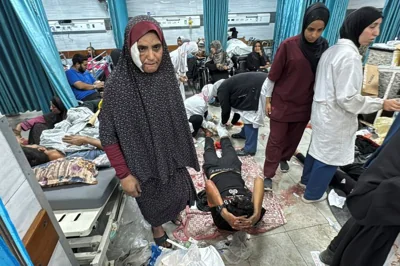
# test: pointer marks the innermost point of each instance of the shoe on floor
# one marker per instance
(302, 185)
(326, 256)
(267, 184)
(245, 153)
(237, 136)
(284, 166)
(324, 196)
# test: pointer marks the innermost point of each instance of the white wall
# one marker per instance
(79, 9)
(86, 9)
(355, 4)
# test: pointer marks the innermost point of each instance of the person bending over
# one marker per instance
(38, 155)
(83, 84)
(233, 206)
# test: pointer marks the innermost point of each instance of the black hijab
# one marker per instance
(144, 112)
(355, 23)
(313, 51)
(52, 118)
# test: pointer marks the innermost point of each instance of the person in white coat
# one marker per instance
(197, 109)
(337, 102)
(179, 60)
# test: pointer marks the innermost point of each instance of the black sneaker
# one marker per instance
(326, 256)
(237, 136)
(284, 166)
(267, 184)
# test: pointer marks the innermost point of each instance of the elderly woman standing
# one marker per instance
(179, 60)
(218, 62)
(144, 128)
(338, 101)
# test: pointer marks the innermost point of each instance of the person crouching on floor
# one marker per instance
(233, 206)
(197, 109)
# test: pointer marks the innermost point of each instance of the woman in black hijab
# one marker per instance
(144, 128)
(47, 121)
(256, 60)
(290, 89)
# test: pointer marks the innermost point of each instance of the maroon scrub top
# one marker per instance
(294, 83)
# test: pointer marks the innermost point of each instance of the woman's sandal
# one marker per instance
(162, 241)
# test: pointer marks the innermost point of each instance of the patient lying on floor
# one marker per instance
(233, 206)
(38, 155)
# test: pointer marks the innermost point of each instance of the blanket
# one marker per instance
(75, 124)
(199, 225)
(66, 171)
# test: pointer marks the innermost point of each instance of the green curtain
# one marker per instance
(289, 17)
(119, 19)
(290, 13)
(23, 82)
(37, 72)
(215, 21)
(390, 28)
(338, 10)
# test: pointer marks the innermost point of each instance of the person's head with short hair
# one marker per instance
(240, 205)
(35, 157)
(79, 62)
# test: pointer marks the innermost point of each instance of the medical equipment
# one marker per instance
(89, 215)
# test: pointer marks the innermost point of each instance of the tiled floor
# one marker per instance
(307, 227)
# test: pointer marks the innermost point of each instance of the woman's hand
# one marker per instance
(268, 107)
(183, 79)
(131, 186)
(391, 105)
(75, 140)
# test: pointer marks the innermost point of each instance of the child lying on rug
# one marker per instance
(233, 206)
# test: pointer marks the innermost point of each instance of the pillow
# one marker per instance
(66, 171)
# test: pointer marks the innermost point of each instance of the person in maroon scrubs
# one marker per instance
(290, 90)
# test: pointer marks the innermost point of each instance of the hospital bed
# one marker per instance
(89, 215)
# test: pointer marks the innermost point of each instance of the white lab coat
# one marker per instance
(179, 60)
(337, 102)
(196, 105)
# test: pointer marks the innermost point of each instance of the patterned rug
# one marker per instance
(199, 225)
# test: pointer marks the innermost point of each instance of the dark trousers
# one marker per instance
(91, 97)
(228, 161)
(341, 235)
(282, 143)
(196, 121)
(317, 176)
(251, 135)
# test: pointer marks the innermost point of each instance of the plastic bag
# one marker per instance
(131, 244)
(238, 250)
(194, 256)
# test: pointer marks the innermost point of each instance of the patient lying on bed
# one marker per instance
(38, 155)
